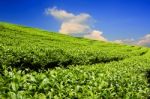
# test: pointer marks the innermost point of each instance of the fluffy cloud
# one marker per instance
(59, 14)
(75, 24)
(145, 40)
(118, 41)
(97, 35)
(71, 23)
(70, 28)
(126, 41)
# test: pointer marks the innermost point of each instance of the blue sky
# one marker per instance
(121, 20)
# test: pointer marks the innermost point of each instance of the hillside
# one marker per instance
(39, 64)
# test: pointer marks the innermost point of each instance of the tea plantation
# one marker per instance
(37, 64)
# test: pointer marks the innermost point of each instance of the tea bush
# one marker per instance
(38, 64)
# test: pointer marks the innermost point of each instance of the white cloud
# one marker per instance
(97, 35)
(70, 28)
(79, 24)
(75, 24)
(59, 14)
(71, 23)
(118, 41)
(126, 41)
(144, 40)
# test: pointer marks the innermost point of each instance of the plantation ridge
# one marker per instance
(38, 64)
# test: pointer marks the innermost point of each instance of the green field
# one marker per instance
(45, 65)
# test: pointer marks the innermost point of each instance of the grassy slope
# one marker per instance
(95, 69)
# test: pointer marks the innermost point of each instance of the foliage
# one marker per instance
(38, 64)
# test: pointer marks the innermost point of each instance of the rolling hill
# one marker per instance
(35, 63)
